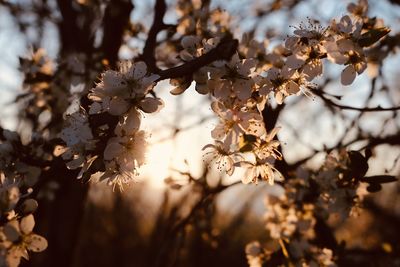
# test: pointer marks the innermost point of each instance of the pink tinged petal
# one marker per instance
(218, 108)
(151, 105)
(27, 224)
(348, 75)
(345, 24)
(218, 132)
(337, 57)
(113, 150)
(291, 42)
(36, 243)
(140, 70)
(223, 92)
(232, 137)
(295, 61)
(118, 106)
(345, 45)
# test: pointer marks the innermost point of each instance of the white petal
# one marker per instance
(36, 243)
(151, 105)
(140, 70)
(295, 61)
(132, 122)
(112, 150)
(345, 45)
(218, 132)
(348, 75)
(27, 224)
(292, 88)
(118, 106)
(243, 88)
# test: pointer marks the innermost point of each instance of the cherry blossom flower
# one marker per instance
(17, 238)
(347, 27)
(234, 123)
(118, 89)
(360, 9)
(266, 147)
(234, 79)
(123, 156)
(279, 81)
(78, 138)
(345, 51)
(221, 156)
(261, 169)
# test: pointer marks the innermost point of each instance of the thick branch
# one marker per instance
(158, 25)
(224, 50)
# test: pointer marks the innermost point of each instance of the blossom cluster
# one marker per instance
(291, 217)
(240, 87)
(123, 94)
(16, 208)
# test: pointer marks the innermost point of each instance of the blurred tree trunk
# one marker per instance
(61, 218)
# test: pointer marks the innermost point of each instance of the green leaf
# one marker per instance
(372, 36)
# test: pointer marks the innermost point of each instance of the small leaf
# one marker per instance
(372, 36)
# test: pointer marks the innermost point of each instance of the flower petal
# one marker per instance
(348, 75)
(36, 243)
(27, 224)
(140, 70)
(151, 105)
